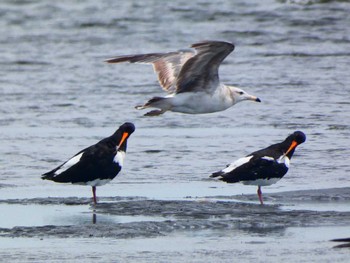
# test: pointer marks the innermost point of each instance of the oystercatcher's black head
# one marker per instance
(123, 134)
(299, 137)
(293, 141)
(127, 127)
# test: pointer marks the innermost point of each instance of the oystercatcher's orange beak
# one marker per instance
(291, 147)
(125, 135)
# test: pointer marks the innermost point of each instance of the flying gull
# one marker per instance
(191, 79)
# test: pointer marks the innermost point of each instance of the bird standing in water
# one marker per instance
(96, 165)
(264, 167)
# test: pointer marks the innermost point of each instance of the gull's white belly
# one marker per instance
(199, 102)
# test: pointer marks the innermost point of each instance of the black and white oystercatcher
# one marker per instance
(264, 167)
(191, 78)
(96, 165)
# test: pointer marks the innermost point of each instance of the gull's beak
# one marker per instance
(253, 98)
(291, 147)
(125, 135)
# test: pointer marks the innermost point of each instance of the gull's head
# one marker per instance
(240, 95)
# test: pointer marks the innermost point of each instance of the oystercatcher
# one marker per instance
(191, 78)
(264, 167)
(97, 164)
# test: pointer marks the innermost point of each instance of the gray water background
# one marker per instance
(59, 96)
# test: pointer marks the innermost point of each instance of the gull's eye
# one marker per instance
(240, 92)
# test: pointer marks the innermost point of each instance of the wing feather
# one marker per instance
(167, 66)
(200, 73)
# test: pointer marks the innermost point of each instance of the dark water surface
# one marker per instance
(58, 96)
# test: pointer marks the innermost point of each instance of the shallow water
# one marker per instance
(185, 246)
(167, 230)
(58, 96)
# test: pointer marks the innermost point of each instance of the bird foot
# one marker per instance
(140, 107)
(260, 195)
(154, 113)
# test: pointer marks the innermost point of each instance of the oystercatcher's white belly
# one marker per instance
(262, 182)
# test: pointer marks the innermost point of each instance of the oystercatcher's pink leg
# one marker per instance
(260, 195)
(94, 194)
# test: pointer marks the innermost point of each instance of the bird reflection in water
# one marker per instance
(94, 217)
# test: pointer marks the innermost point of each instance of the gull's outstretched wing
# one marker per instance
(200, 72)
(166, 65)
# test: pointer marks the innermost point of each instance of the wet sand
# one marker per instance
(212, 228)
(58, 96)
